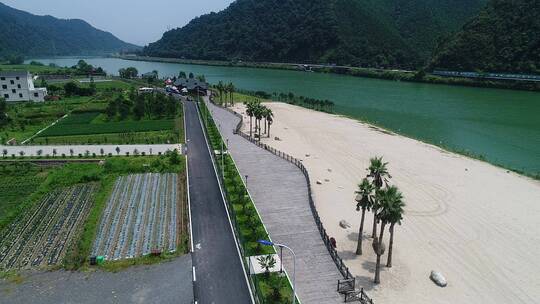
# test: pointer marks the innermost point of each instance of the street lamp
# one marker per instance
(281, 246)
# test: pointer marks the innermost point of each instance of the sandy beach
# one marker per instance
(476, 223)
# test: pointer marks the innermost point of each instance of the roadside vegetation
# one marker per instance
(270, 288)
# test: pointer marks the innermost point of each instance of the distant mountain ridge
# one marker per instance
(374, 33)
(504, 37)
(22, 33)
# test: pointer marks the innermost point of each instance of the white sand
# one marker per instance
(476, 223)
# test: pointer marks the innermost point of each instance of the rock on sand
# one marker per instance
(344, 224)
(438, 278)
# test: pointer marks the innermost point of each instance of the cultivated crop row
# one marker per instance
(41, 235)
(108, 127)
(140, 216)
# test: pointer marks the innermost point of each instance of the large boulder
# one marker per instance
(438, 278)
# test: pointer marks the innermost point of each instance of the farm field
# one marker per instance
(41, 236)
(140, 216)
(29, 118)
(17, 183)
(112, 127)
(92, 128)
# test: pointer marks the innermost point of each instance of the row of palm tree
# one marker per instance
(227, 90)
(387, 205)
(254, 108)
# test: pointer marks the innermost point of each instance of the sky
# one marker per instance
(136, 21)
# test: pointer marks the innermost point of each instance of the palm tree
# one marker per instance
(54, 152)
(219, 87)
(267, 113)
(269, 117)
(117, 150)
(379, 174)
(226, 93)
(395, 216)
(71, 152)
(387, 198)
(250, 111)
(364, 199)
(266, 262)
(231, 89)
(4, 153)
(39, 152)
(258, 117)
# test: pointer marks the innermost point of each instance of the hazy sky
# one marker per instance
(134, 21)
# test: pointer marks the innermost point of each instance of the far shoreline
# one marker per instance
(384, 74)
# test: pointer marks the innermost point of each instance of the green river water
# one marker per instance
(502, 126)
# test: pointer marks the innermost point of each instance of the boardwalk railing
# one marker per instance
(343, 269)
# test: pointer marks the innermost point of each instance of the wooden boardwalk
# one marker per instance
(280, 192)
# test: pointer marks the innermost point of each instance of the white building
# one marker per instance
(19, 86)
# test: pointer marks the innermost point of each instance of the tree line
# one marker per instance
(306, 102)
(128, 73)
(152, 106)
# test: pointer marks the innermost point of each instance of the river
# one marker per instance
(502, 126)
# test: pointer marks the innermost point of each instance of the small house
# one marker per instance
(19, 86)
(192, 85)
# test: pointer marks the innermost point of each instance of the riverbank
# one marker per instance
(472, 221)
(394, 75)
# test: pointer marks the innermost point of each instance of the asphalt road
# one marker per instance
(219, 275)
(164, 283)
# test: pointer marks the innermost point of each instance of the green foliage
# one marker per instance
(128, 126)
(153, 106)
(30, 35)
(25, 119)
(72, 89)
(15, 59)
(504, 37)
(273, 288)
(128, 73)
(356, 32)
(267, 262)
(17, 183)
(3, 112)
(128, 138)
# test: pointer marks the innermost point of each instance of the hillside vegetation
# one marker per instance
(25, 34)
(504, 37)
(389, 33)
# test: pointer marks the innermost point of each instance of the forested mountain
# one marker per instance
(504, 37)
(25, 34)
(381, 33)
